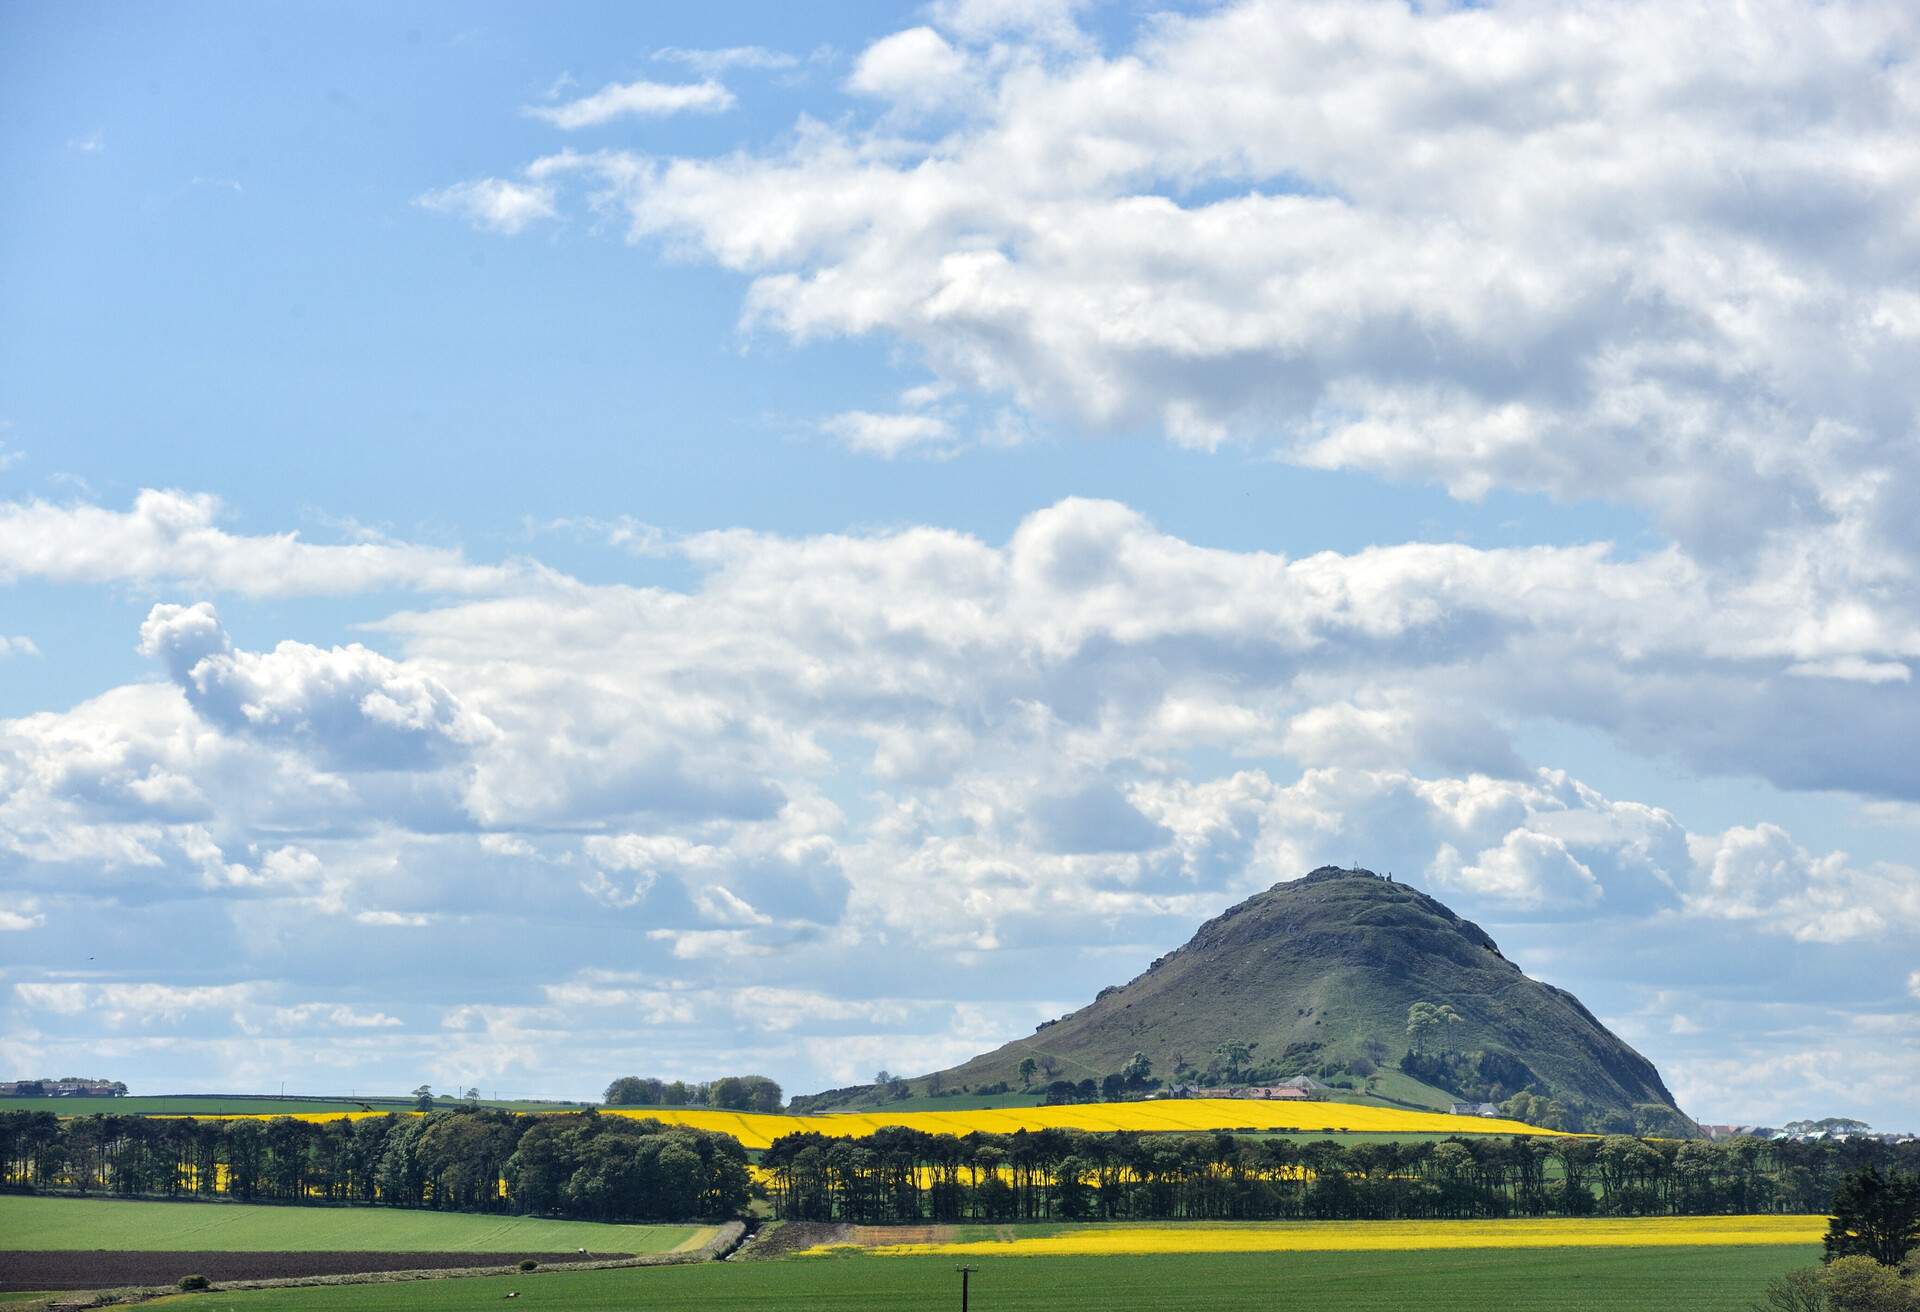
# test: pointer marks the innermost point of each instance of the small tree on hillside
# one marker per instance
(1231, 1059)
(1427, 1020)
(1027, 1067)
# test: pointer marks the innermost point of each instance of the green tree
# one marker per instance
(1428, 1020)
(745, 1093)
(1876, 1216)
(1138, 1070)
(1027, 1067)
(1231, 1059)
(423, 1098)
(635, 1091)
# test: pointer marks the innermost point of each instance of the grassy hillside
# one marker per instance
(871, 1098)
(77, 1224)
(1316, 976)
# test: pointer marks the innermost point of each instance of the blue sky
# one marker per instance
(766, 484)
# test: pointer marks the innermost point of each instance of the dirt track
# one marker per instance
(101, 1270)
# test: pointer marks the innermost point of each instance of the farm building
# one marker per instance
(1474, 1109)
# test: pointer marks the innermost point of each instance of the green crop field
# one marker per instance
(1542, 1280)
(69, 1224)
(224, 1104)
(211, 1104)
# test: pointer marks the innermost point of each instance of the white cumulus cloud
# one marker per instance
(635, 99)
(494, 204)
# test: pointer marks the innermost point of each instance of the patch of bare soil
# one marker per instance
(794, 1237)
(869, 1236)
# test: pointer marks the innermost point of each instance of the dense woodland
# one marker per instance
(469, 1159)
(618, 1168)
(906, 1175)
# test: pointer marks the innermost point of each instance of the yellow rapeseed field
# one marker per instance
(1352, 1236)
(757, 1130)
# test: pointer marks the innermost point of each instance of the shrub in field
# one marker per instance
(192, 1283)
(1848, 1284)
(528, 1264)
(1860, 1284)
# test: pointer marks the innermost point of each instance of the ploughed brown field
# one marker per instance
(108, 1270)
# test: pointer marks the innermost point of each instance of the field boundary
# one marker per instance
(724, 1240)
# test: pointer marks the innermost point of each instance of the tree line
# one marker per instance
(905, 1175)
(734, 1093)
(619, 1168)
(466, 1159)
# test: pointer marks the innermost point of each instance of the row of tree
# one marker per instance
(903, 1175)
(736, 1093)
(469, 1159)
(611, 1167)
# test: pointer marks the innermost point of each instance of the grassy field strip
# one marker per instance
(214, 1105)
(1372, 1237)
(1468, 1280)
(80, 1224)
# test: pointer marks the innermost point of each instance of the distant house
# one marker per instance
(61, 1089)
(82, 1089)
(1275, 1092)
(1474, 1109)
(1305, 1083)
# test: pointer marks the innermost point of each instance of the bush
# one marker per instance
(189, 1284)
(528, 1264)
(1860, 1284)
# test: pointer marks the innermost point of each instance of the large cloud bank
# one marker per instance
(887, 798)
(836, 758)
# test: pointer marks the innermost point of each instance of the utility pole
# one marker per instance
(965, 1271)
